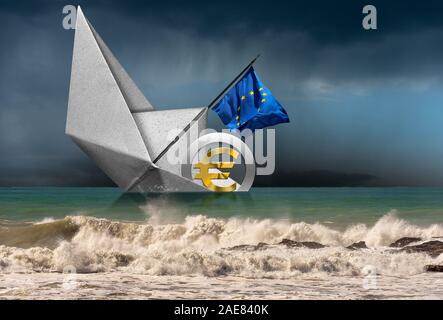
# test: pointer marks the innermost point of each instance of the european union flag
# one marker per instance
(250, 105)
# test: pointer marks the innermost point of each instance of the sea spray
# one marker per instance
(213, 247)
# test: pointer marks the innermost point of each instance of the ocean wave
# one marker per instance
(212, 247)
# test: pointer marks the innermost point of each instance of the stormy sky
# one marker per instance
(365, 106)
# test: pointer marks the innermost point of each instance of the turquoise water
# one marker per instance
(341, 206)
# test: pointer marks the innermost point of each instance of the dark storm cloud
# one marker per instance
(308, 47)
(324, 20)
(314, 55)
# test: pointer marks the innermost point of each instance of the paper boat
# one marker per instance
(115, 125)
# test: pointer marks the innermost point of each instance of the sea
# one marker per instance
(100, 243)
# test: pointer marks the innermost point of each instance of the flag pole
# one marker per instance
(209, 106)
(232, 83)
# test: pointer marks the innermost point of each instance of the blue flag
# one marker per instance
(250, 105)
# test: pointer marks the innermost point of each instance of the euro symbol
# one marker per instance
(206, 177)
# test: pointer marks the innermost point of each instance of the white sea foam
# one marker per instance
(45, 220)
(201, 246)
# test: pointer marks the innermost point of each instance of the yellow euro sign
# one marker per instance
(206, 177)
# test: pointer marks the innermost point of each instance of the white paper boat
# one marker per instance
(115, 125)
